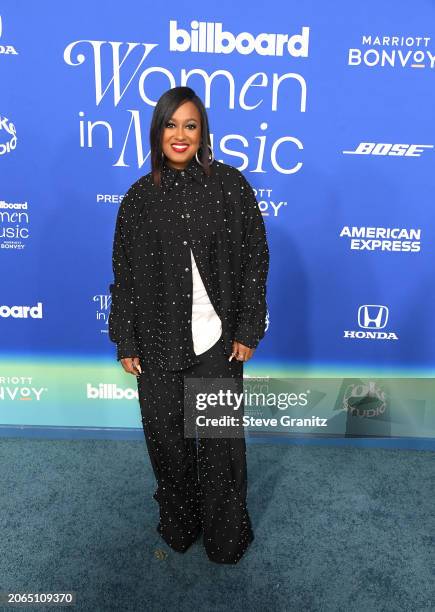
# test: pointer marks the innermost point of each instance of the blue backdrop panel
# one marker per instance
(326, 109)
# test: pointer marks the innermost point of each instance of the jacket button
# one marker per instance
(186, 269)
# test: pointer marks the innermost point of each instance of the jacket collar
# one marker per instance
(193, 169)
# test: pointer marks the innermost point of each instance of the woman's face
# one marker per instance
(184, 130)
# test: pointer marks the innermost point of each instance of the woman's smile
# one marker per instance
(179, 148)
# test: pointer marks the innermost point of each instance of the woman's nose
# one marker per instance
(180, 131)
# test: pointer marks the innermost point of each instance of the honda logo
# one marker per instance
(372, 316)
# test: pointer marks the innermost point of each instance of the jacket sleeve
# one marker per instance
(121, 317)
(252, 307)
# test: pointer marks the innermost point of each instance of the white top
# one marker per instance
(206, 325)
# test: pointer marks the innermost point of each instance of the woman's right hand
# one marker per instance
(131, 365)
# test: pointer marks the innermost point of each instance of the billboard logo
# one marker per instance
(21, 312)
(110, 391)
(14, 225)
(208, 37)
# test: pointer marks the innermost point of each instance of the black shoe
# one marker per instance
(181, 550)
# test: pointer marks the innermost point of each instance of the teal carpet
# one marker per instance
(336, 529)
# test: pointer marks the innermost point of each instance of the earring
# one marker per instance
(210, 160)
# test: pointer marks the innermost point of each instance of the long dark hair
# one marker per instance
(163, 111)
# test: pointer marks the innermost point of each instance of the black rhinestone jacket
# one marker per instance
(218, 218)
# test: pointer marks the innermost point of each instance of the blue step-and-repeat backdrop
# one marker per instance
(327, 109)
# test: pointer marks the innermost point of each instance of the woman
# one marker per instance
(190, 264)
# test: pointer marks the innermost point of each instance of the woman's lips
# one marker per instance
(179, 148)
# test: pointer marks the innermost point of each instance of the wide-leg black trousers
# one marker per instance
(201, 482)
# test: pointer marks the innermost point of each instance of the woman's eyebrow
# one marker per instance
(190, 119)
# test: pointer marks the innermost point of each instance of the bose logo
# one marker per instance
(22, 312)
(208, 37)
(383, 148)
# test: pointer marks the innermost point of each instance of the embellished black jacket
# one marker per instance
(218, 218)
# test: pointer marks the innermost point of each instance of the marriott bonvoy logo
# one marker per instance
(208, 37)
(20, 388)
(392, 52)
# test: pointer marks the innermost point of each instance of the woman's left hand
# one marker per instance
(242, 352)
